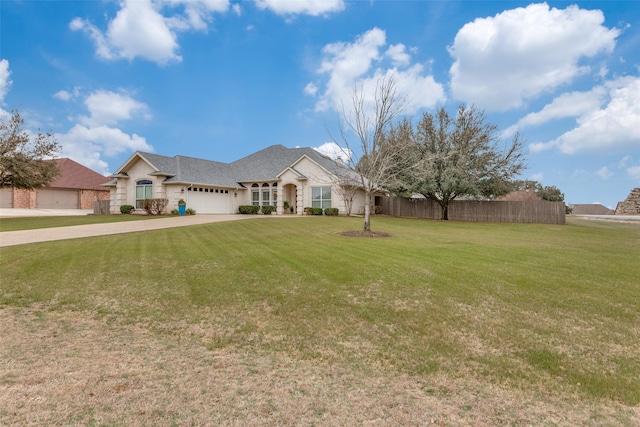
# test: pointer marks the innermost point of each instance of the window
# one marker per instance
(144, 190)
(274, 199)
(321, 197)
(262, 195)
(255, 195)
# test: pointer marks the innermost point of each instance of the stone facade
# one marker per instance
(631, 205)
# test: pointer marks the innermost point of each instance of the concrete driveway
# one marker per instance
(21, 237)
(17, 212)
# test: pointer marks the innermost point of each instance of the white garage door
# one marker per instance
(57, 199)
(209, 201)
(6, 198)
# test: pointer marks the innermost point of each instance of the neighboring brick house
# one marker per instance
(75, 187)
(301, 177)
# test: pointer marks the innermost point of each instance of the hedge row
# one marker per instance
(253, 210)
(267, 210)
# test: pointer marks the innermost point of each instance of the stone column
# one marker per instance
(299, 198)
(280, 199)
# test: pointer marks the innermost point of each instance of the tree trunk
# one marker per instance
(444, 204)
(367, 210)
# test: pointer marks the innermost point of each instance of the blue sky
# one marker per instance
(222, 79)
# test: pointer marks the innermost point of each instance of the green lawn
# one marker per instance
(32, 223)
(539, 308)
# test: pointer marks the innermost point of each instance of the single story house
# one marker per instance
(75, 187)
(519, 196)
(302, 177)
(591, 209)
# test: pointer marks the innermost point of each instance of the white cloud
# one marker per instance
(111, 141)
(623, 161)
(345, 63)
(5, 81)
(334, 151)
(350, 65)
(634, 172)
(108, 108)
(62, 95)
(613, 128)
(502, 61)
(97, 134)
(103, 49)
(311, 89)
(579, 174)
(197, 13)
(537, 176)
(302, 7)
(87, 144)
(140, 30)
(604, 173)
(572, 104)
(398, 54)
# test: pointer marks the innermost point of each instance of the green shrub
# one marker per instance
(331, 211)
(175, 212)
(127, 209)
(154, 206)
(317, 211)
(268, 209)
(308, 211)
(248, 209)
(190, 211)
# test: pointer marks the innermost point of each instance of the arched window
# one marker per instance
(274, 193)
(144, 190)
(264, 194)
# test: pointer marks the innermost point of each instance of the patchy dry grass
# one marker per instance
(66, 368)
(288, 323)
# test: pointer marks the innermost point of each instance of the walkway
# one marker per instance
(21, 237)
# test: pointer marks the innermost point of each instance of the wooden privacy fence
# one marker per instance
(477, 211)
(101, 207)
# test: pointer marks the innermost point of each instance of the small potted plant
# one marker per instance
(285, 206)
(182, 207)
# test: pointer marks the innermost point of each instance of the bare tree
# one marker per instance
(24, 160)
(347, 185)
(374, 154)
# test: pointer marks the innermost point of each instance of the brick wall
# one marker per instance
(25, 199)
(87, 197)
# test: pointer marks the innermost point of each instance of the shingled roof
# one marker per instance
(264, 165)
(75, 176)
(591, 209)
